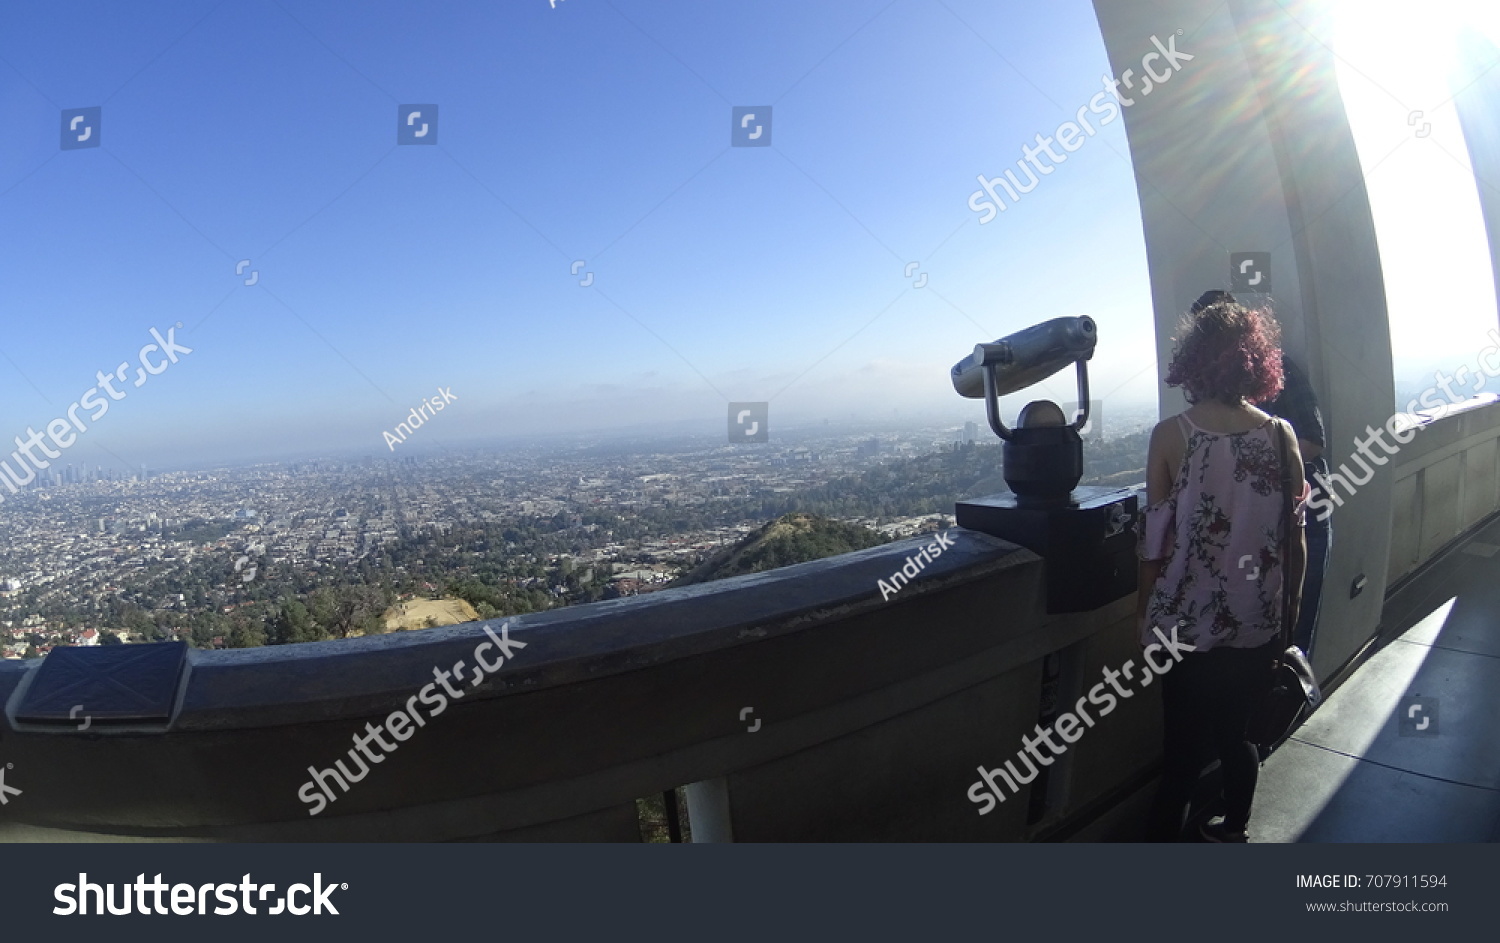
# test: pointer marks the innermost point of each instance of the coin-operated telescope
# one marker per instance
(1083, 533)
(1043, 455)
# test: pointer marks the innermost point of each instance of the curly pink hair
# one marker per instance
(1227, 352)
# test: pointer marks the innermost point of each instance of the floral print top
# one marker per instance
(1219, 532)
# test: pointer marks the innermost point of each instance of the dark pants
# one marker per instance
(1207, 699)
(1319, 541)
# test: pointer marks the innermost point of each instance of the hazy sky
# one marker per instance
(597, 132)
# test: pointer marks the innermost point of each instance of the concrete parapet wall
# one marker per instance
(872, 717)
(1447, 480)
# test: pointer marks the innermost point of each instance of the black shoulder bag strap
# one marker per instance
(1286, 541)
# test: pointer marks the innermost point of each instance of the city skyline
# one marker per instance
(191, 554)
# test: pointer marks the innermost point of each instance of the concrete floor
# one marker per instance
(1350, 775)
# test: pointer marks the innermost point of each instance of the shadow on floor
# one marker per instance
(1354, 772)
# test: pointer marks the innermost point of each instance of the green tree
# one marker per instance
(246, 634)
(323, 605)
(348, 610)
(295, 624)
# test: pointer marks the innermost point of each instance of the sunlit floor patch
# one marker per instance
(1355, 772)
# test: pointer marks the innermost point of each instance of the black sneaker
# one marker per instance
(1214, 831)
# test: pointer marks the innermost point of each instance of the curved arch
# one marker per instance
(1253, 153)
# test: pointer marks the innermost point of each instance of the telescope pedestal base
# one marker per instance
(1088, 543)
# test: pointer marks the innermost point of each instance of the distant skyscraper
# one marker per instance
(971, 433)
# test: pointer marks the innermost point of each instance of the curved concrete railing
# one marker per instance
(1447, 480)
(867, 718)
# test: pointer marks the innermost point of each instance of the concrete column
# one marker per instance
(708, 811)
(1247, 148)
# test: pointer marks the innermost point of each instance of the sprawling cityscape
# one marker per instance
(268, 553)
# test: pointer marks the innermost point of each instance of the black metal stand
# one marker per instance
(1088, 541)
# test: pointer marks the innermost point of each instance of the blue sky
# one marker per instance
(596, 131)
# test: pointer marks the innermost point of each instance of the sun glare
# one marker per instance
(1399, 69)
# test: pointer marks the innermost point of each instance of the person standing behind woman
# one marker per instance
(1217, 549)
(1298, 405)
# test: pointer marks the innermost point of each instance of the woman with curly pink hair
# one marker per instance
(1217, 551)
